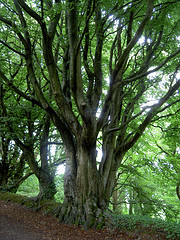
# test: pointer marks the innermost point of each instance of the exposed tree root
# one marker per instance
(88, 215)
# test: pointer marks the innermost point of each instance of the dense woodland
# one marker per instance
(92, 86)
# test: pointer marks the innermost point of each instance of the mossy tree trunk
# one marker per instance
(84, 191)
(47, 188)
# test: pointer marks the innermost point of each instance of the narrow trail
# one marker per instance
(9, 229)
(19, 223)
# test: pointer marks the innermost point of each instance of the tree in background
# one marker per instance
(101, 59)
(169, 148)
(12, 166)
(19, 124)
(149, 174)
(12, 160)
(168, 154)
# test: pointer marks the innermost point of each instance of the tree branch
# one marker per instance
(150, 5)
(53, 23)
(15, 29)
(23, 21)
(117, 72)
(30, 11)
(132, 79)
(98, 59)
(148, 118)
(11, 48)
(19, 92)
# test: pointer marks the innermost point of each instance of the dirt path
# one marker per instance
(10, 229)
(19, 223)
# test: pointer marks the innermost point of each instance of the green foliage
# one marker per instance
(30, 187)
(145, 223)
(59, 181)
(149, 174)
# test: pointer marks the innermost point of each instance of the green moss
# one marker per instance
(12, 197)
(48, 206)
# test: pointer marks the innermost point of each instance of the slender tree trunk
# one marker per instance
(4, 164)
(115, 201)
(17, 177)
(47, 188)
(131, 198)
(11, 167)
(46, 181)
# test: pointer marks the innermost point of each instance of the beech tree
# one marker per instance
(12, 165)
(28, 129)
(12, 159)
(104, 61)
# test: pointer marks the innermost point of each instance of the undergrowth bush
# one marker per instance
(144, 223)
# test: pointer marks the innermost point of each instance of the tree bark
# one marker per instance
(47, 186)
(84, 192)
(178, 190)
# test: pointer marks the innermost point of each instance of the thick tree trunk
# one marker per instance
(84, 193)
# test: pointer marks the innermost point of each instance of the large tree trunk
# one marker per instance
(75, 104)
(84, 192)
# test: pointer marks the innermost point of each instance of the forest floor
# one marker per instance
(20, 223)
